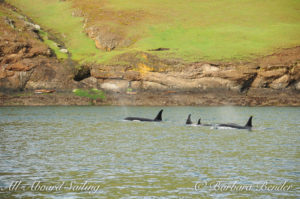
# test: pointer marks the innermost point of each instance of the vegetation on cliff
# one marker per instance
(92, 94)
(196, 30)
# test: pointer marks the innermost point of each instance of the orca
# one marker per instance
(248, 125)
(158, 118)
(188, 120)
(200, 124)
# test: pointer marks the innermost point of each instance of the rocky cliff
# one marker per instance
(278, 71)
(270, 80)
(138, 78)
(25, 61)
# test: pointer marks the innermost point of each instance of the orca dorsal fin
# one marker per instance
(199, 121)
(159, 117)
(249, 123)
(189, 121)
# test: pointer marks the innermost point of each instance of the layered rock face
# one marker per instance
(25, 61)
(271, 80)
(275, 72)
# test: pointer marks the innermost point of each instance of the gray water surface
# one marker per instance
(91, 152)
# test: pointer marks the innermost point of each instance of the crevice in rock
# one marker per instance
(82, 74)
(247, 84)
(24, 78)
(293, 81)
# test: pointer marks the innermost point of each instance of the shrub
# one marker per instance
(93, 94)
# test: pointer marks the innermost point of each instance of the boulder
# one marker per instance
(11, 58)
(153, 86)
(38, 50)
(5, 73)
(217, 82)
(115, 85)
(63, 50)
(90, 82)
(132, 75)
(208, 69)
(105, 37)
(295, 72)
(273, 73)
(281, 82)
(259, 82)
(19, 67)
(136, 85)
(297, 86)
(32, 27)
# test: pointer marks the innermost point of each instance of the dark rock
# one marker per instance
(159, 49)
(9, 22)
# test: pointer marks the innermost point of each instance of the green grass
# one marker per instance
(92, 94)
(194, 30)
(218, 30)
(55, 16)
(1, 14)
(52, 45)
(223, 42)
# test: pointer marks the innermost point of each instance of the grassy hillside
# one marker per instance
(193, 30)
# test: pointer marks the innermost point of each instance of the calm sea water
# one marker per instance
(90, 152)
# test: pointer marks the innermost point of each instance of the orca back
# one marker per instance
(249, 123)
(159, 116)
(189, 121)
(199, 121)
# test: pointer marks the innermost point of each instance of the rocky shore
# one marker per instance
(254, 97)
(27, 64)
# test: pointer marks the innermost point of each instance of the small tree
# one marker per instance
(93, 94)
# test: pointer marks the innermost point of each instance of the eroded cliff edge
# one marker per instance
(138, 78)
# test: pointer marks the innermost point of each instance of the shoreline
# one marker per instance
(253, 98)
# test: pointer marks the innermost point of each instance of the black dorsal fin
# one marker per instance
(199, 121)
(249, 123)
(159, 116)
(189, 121)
